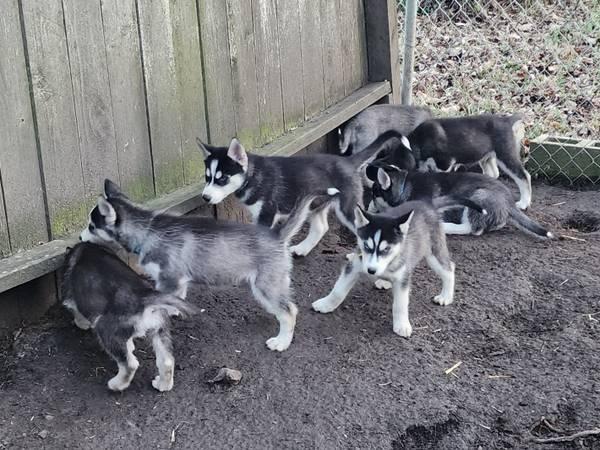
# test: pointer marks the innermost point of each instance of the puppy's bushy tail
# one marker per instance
(171, 305)
(521, 221)
(452, 201)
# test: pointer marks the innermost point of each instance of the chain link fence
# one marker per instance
(539, 58)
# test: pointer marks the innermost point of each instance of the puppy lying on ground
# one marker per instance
(390, 246)
(177, 250)
(490, 140)
(393, 186)
(372, 122)
(104, 294)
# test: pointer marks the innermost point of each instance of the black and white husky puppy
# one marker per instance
(106, 295)
(270, 186)
(490, 140)
(375, 120)
(393, 186)
(390, 245)
(177, 250)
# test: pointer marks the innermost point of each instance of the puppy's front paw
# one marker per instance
(117, 384)
(522, 204)
(278, 343)
(382, 284)
(324, 305)
(162, 385)
(82, 323)
(299, 250)
(441, 300)
(350, 256)
(403, 329)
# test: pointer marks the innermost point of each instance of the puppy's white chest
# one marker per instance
(255, 209)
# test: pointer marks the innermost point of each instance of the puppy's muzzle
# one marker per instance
(371, 271)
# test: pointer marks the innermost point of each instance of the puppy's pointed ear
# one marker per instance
(360, 218)
(111, 190)
(406, 142)
(206, 150)
(404, 222)
(107, 211)
(383, 179)
(237, 152)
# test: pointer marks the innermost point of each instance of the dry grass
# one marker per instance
(537, 57)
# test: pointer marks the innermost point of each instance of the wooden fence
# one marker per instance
(121, 88)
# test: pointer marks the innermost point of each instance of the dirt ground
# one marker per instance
(525, 326)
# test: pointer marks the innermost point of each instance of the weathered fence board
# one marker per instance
(155, 17)
(21, 178)
(312, 57)
(332, 51)
(290, 55)
(355, 59)
(56, 120)
(268, 71)
(190, 90)
(91, 93)
(126, 78)
(4, 238)
(243, 71)
(217, 70)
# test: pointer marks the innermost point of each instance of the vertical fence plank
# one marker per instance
(91, 89)
(312, 56)
(268, 73)
(332, 51)
(356, 62)
(161, 93)
(55, 113)
(21, 177)
(190, 87)
(4, 241)
(243, 70)
(217, 70)
(127, 96)
(288, 19)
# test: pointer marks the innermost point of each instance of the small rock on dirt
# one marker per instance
(43, 434)
(227, 375)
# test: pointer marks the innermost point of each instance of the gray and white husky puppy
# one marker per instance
(375, 120)
(270, 186)
(177, 250)
(390, 245)
(393, 186)
(106, 295)
(490, 140)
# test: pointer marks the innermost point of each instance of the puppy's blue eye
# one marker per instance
(222, 181)
(385, 251)
(91, 227)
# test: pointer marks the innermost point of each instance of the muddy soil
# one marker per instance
(525, 327)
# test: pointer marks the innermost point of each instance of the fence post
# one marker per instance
(381, 18)
(410, 28)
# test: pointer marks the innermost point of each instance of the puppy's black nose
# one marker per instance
(206, 198)
(371, 271)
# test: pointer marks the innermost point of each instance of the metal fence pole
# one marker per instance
(410, 28)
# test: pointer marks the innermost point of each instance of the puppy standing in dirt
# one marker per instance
(393, 186)
(390, 247)
(104, 294)
(374, 121)
(177, 250)
(490, 140)
(270, 186)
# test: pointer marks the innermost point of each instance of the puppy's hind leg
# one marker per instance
(117, 341)
(348, 278)
(440, 263)
(318, 228)
(464, 227)
(161, 343)
(274, 296)
(515, 170)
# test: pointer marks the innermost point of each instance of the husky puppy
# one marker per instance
(390, 246)
(104, 294)
(270, 186)
(372, 122)
(393, 186)
(490, 140)
(175, 251)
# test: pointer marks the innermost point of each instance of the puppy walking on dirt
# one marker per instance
(175, 251)
(106, 295)
(390, 247)
(393, 186)
(490, 140)
(270, 186)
